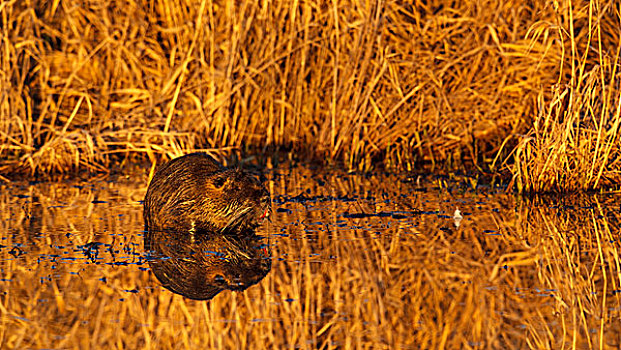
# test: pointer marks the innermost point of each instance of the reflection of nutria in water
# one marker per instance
(199, 227)
(202, 266)
(195, 193)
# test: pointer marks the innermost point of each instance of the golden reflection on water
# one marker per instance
(357, 262)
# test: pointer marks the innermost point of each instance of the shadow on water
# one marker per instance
(354, 262)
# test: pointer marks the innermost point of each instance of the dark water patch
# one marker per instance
(393, 215)
(312, 199)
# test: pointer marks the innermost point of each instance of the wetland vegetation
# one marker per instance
(526, 90)
(384, 129)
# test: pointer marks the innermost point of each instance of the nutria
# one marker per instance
(196, 194)
(200, 267)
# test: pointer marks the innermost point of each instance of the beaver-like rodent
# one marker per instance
(194, 193)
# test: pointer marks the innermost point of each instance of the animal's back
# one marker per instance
(175, 183)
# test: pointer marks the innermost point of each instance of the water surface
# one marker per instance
(357, 261)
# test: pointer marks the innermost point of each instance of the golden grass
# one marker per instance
(84, 85)
(575, 142)
(545, 277)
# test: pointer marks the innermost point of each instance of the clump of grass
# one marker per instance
(575, 142)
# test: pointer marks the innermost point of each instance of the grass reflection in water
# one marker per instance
(357, 261)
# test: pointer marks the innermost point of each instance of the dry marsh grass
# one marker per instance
(85, 84)
(575, 140)
(541, 274)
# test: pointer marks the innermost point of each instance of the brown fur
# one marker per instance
(195, 194)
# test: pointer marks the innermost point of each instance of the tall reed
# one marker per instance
(575, 142)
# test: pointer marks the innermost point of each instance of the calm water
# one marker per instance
(347, 261)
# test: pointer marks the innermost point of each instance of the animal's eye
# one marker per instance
(219, 181)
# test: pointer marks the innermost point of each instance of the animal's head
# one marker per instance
(237, 200)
